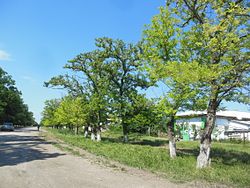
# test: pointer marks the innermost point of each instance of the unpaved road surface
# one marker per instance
(27, 161)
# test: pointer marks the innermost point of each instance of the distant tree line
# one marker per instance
(12, 107)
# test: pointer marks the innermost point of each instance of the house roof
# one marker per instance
(247, 123)
(227, 114)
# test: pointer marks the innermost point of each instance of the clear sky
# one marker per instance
(37, 37)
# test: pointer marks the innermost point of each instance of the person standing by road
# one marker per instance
(38, 127)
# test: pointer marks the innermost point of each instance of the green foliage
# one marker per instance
(92, 85)
(200, 50)
(110, 77)
(165, 63)
(122, 67)
(12, 107)
(69, 111)
(70, 83)
(144, 116)
(49, 117)
(206, 45)
(72, 111)
(214, 34)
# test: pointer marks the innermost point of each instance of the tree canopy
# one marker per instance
(209, 41)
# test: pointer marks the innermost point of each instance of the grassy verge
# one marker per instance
(230, 161)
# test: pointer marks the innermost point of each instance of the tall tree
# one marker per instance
(109, 75)
(89, 80)
(122, 66)
(166, 64)
(92, 67)
(214, 35)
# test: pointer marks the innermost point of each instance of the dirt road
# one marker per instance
(27, 161)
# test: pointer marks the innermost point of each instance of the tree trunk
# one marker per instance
(125, 138)
(125, 132)
(93, 131)
(92, 136)
(158, 133)
(98, 128)
(172, 145)
(98, 134)
(149, 131)
(203, 160)
(76, 130)
(86, 131)
(85, 134)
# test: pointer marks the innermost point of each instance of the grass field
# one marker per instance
(230, 161)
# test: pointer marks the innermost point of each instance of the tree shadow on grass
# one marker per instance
(112, 140)
(153, 143)
(227, 157)
(230, 157)
(16, 149)
(133, 141)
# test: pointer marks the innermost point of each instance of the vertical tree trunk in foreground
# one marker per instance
(125, 132)
(172, 144)
(203, 160)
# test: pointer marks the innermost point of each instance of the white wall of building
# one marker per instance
(222, 124)
(192, 121)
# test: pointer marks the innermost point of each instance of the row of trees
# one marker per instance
(198, 49)
(74, 112)
(12, 107)
(106, 81)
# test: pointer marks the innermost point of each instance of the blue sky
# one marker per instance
(38, 37)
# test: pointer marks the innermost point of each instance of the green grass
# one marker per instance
(230, 161)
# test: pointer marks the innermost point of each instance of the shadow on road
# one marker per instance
(15, 149)
(21, 129)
